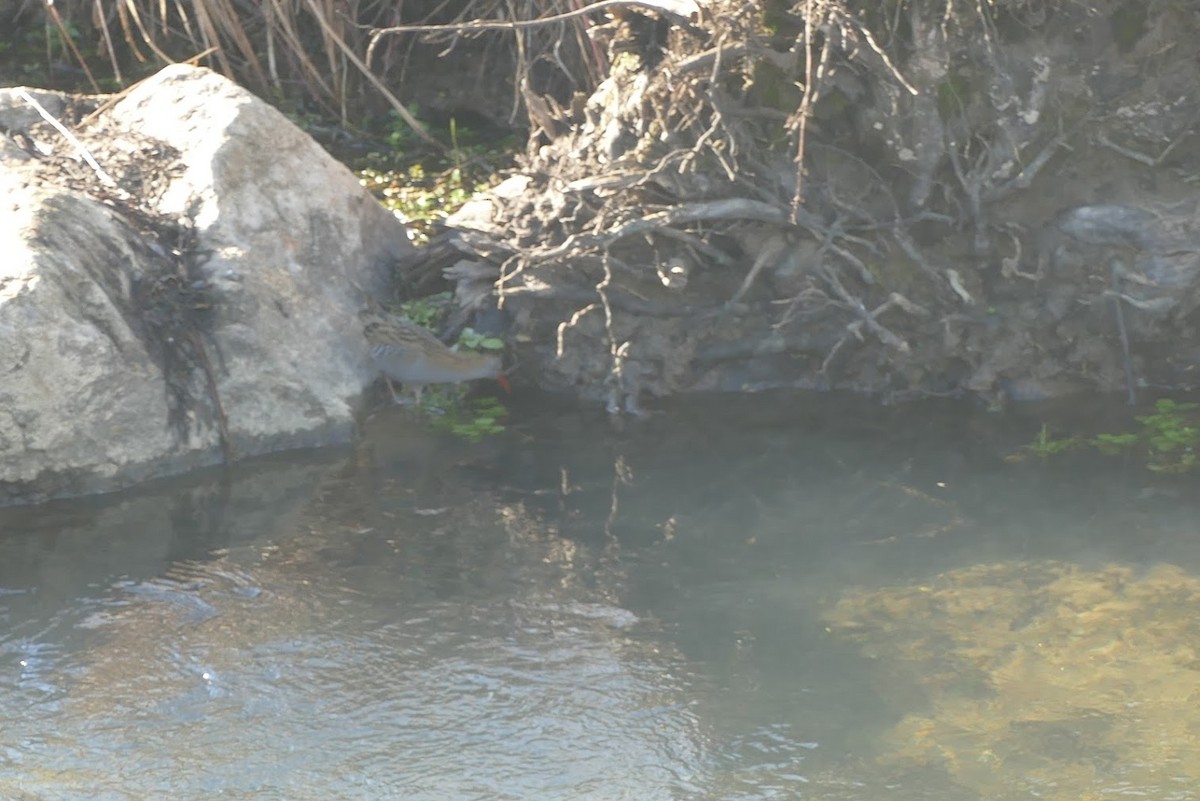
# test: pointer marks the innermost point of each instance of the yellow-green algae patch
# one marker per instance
(1040, 679)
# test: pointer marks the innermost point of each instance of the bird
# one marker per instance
(410, 354)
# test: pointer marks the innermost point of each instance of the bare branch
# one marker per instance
(83, 152)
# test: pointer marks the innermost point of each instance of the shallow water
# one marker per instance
(750, 598)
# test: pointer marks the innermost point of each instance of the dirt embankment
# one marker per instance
(952, 197)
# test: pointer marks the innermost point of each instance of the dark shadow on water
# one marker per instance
(141, 533)
(805, 470)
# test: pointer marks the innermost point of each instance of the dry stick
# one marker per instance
(1152, 161)
(126, 31)
(717, 124)
(833, 352)
(69, 42)
(867, 318)
(715, 254)
(620, 302)
(208, 33)
(105, 178)
(1130, 380)
(864, 273)
(972, 182)
(556, 51)
(806, 103)
(282, 23)
(508, 25)
(616, 376)
(773, 250)
(1024, 179)
(505, 276)
(574, 321)
(339, 75)
(536, 110)
(956, 284)
(130, 8)
(811, 295)
(879, 51)
(702, 61)
(586, 43)
(727, 209)
(272, 65)
(231, 24)
(182, 14)
(98, 15)
(730, 172)
(397, 106)
(1157, 306)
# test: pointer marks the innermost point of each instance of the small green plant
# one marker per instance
(473, 340)
(1171, 436)
(1113, 444)
(427, 311)
(423, 185)
(1168, 440)
(1045, 446)
(422, 199)
(474, 420)
(400, 134)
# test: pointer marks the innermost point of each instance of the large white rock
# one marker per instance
(99, 388)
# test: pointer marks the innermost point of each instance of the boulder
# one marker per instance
(188, 299)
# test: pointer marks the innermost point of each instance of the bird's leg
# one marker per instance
(391, 388)
(399, 398)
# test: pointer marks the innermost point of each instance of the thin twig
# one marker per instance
(397, 106)
(728, 209)
(99, 16)
(867, 318)
(512, 25)
(105, 178)
(770, 253)
(560, 345)
(812, 80)
(131, 12)
(617, 353)
(65, 36)
(1130, 381)
(879, 51)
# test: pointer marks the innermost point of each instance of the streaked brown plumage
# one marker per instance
(408, 353)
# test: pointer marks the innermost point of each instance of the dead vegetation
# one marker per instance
(336, 60)
(831, 194)
(818, 193)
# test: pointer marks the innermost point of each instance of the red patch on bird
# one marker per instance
(502, 380)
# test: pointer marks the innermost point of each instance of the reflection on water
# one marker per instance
(743, 599)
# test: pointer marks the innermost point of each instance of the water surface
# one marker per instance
(753, 598)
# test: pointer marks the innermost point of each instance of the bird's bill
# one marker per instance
(502, 380)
